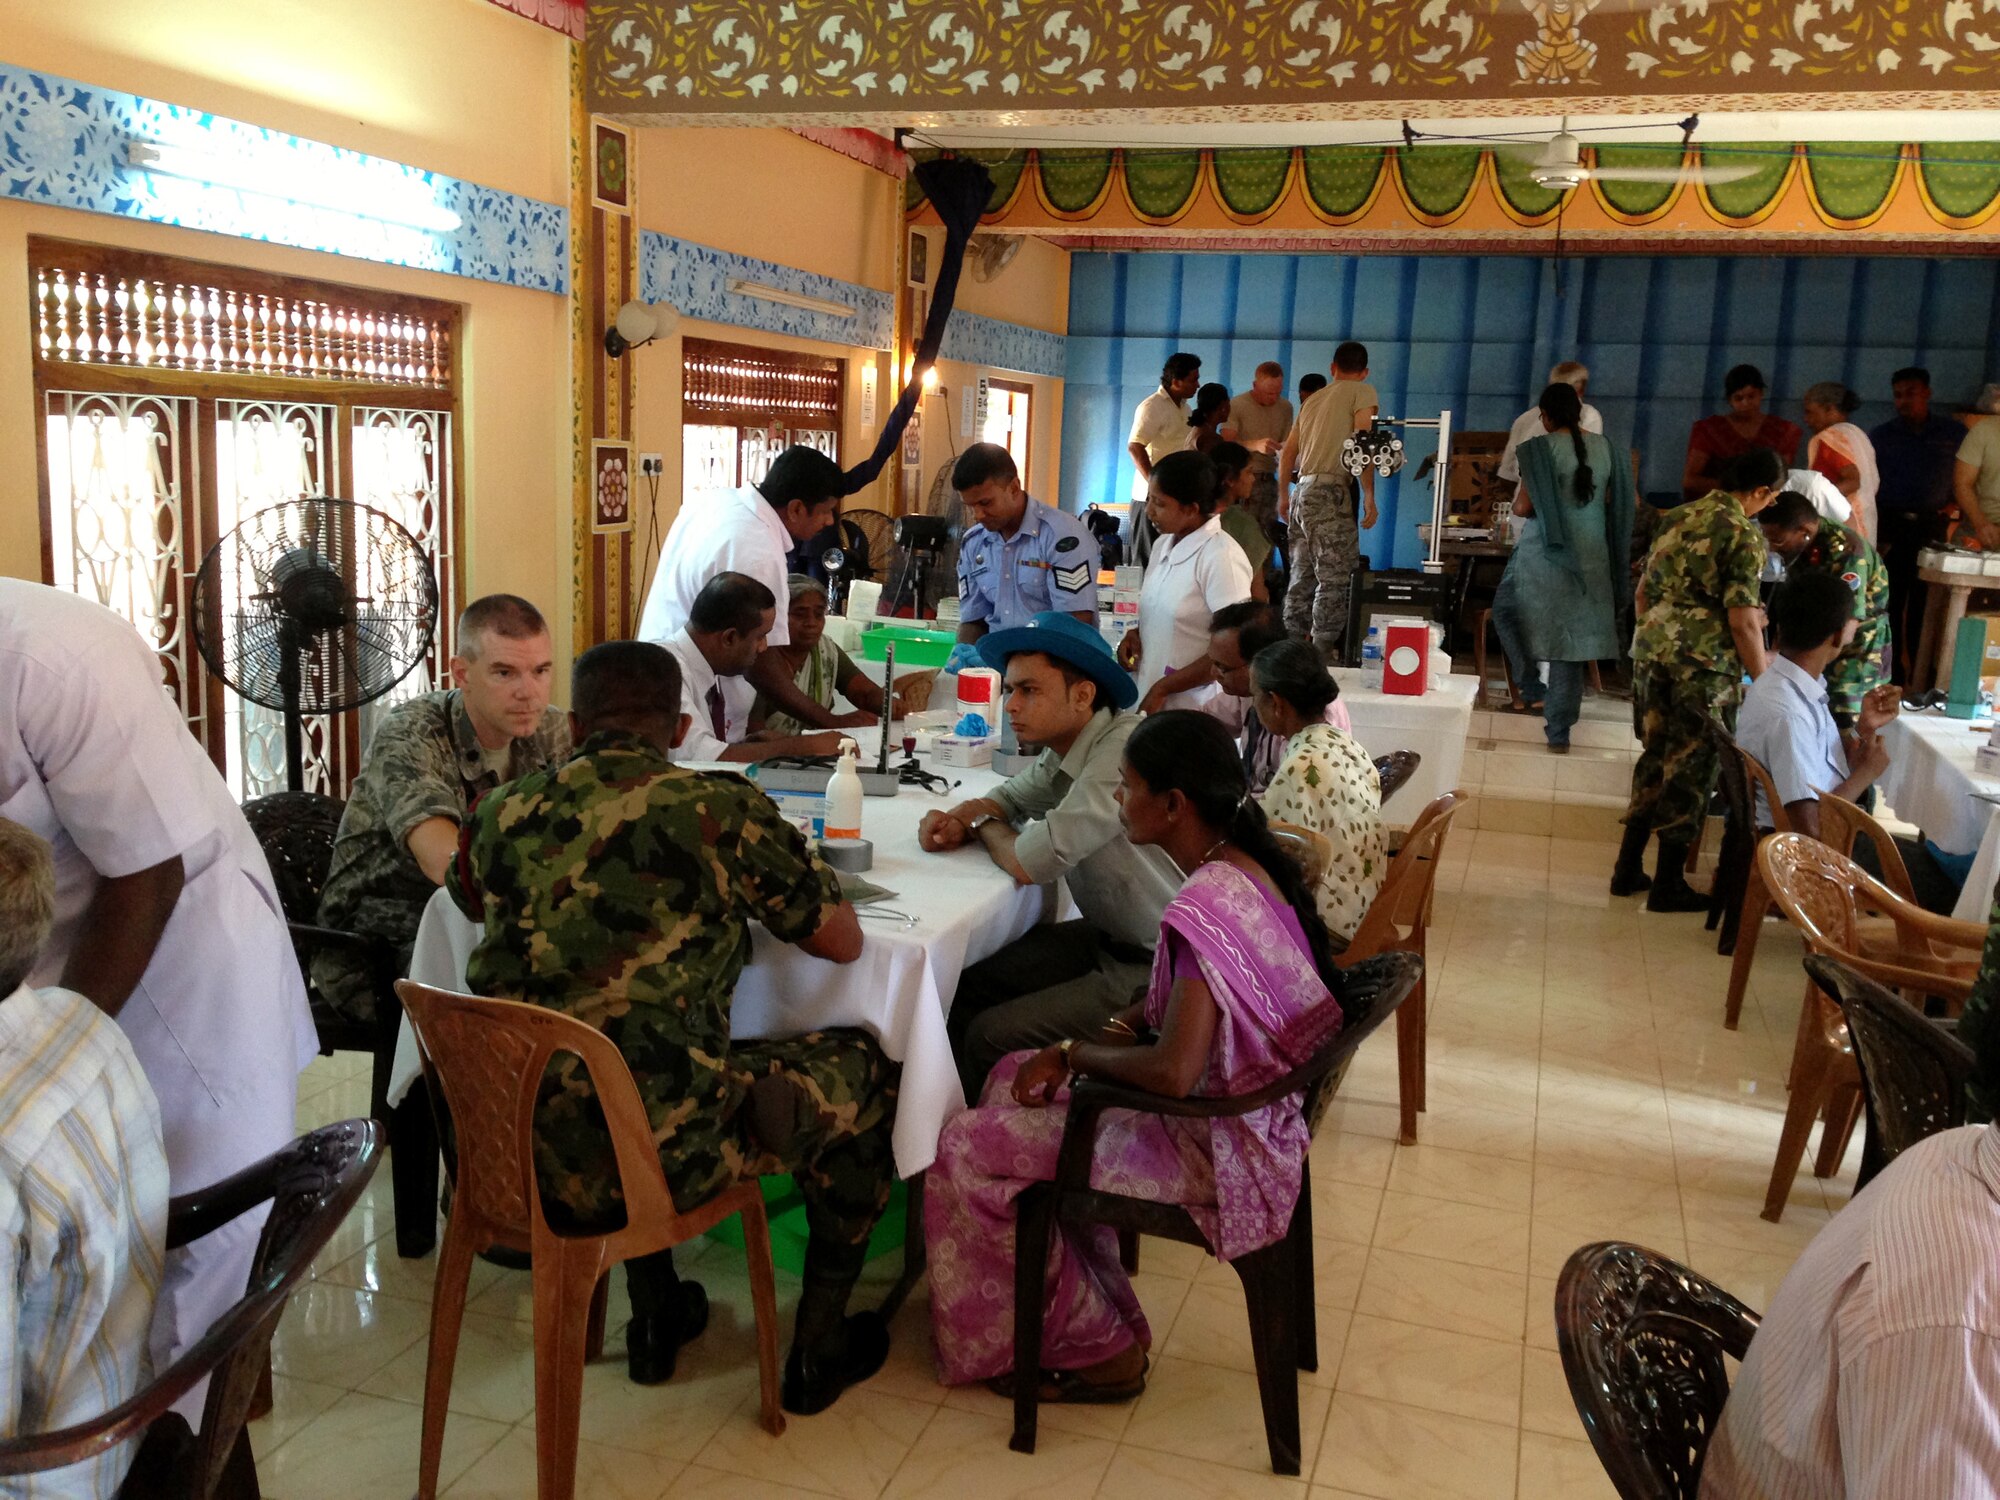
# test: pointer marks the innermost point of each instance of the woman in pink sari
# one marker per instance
(1238, 998)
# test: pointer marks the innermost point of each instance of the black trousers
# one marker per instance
(1905, 534)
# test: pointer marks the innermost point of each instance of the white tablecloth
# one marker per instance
(898, 990)
(1434, 725)
(1931, 782)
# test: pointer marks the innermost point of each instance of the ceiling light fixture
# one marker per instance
(744, 287)
(359, 186)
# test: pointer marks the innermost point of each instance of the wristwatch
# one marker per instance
(1063, 1049)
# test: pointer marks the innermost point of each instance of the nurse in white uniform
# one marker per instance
(166, 913)
(1196, 569)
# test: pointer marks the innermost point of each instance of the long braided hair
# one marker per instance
(1564, 409)
(1180, 750)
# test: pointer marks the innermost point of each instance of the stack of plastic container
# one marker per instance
(1122, 613)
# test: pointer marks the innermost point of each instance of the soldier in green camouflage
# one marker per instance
(1979, 1028)
(1807, 541)
(1700, 628)
(619, 888)
(427, 762)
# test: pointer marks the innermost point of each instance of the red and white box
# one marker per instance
(1406, 658)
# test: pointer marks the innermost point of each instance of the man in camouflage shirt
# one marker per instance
(427, 762)
(619, 888)
(1808, 542)
(1700, 628)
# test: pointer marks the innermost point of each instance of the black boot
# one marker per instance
(666, 1313)
(1628, 876)
(830, 1349)
(1670, 891)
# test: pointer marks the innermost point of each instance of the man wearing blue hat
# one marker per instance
(1067, 696)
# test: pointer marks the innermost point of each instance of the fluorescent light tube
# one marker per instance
(355, 187)
(742, 286)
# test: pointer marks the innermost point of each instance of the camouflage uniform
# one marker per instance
(1844, 553)
(1324, 552)
(424, 761)
(1705, 562)
(620, 889)
(1979, 1028)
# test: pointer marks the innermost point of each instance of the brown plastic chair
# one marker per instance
(1756, 900)
(1395, 770)
(1645, 1346)
(1913, 1071)
(311, 1185)
(1842, 822)
(1313, 850)
(488, 1056)
(1399, 920)
(1822, 893)
(1277, 1280)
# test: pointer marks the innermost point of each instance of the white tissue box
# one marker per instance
(965, 751)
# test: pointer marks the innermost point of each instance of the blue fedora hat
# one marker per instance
(1067, 639)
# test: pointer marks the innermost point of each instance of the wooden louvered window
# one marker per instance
(175, 397)
(742, 406)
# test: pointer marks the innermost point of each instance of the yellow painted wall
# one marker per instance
(365, 74)
(778, 197)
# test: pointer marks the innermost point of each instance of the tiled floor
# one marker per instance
(1582, 1087)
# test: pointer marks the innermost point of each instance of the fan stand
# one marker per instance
(291, 690)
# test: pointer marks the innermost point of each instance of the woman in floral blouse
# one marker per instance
(1326, 781)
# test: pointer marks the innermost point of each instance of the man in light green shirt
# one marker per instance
(1976, 482)
(1058, 819)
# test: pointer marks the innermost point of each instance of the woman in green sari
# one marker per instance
(819, 668)
(1558, 601)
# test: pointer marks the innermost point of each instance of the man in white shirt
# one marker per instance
(1529, 423)
(725, 636)
(750, 530)
(83, 1196)
(1876, 1373)
(1159, 427)
(1786, 721)
(166, 914)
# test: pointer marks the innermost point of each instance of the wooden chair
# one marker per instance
(1822, 893)
(1395, 770)
(1277, 1280)
(487, 1057)
(1745, 902)
(1913, 1071)
(1399, 919)
(1645, 1345)
(1312, 849)
(296, 831)
(1841, 823)
(311, 1185)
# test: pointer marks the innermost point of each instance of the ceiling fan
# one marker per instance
(1556, 164)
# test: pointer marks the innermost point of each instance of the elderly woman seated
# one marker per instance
(1326, 782)
(819, 667)
(1239, 997)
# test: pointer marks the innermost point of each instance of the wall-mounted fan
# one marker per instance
(990, 254)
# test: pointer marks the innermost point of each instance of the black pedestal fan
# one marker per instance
(314, 606)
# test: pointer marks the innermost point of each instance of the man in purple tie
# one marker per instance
(726, 630)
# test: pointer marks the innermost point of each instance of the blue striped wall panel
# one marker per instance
(1477, 334)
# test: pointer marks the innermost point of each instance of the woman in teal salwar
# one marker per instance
(1558, 601)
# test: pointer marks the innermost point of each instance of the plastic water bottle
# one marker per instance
(1371, 659)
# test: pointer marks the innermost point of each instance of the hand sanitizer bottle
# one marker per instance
(843, 795)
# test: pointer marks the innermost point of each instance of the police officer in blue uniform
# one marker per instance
(1022, 557)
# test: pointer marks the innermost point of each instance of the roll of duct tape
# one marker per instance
(851, 855)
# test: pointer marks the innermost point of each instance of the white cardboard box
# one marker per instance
(964, 752)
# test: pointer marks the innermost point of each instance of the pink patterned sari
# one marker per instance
(1239, 1177)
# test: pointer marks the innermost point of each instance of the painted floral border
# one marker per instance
(63, 143)
(695, 280)
(1001, 345)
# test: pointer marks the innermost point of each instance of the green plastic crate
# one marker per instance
(787, 1212)
(916, 646)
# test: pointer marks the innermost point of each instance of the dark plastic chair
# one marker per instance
(1643, 1344)
(1395, 770)
(296, 830)
(1913, 1071)
(1739, 839)
(311, 1185)
(1277, 1280)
